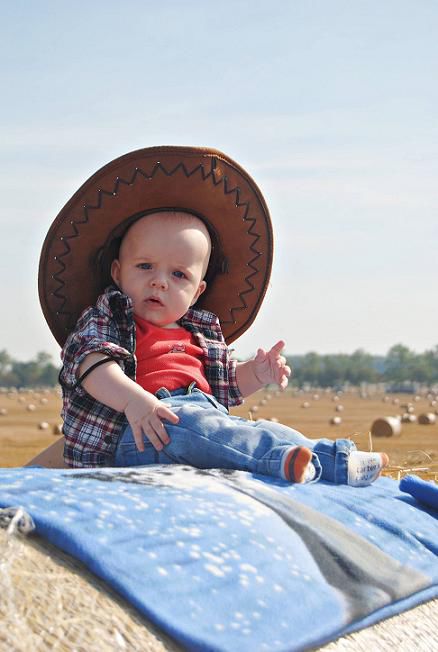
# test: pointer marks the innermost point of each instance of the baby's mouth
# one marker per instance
(154, 301)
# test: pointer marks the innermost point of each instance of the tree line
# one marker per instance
(39, 372)
(399, 366)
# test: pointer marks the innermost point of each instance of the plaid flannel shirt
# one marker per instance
(92, 429)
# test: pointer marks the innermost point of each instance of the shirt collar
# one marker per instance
(113, 302)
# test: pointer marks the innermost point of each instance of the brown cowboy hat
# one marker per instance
(83, 239)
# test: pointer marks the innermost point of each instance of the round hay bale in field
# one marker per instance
(386, 427)
(43, 425)
(31, 407)
(306, 404)
(315, 397)
(335, 421)
(57, 429)
(273, 419)
(44, 400)
(417, 398)
(335, 398)
(263, 401)
(395, 401)
(386, 399)
(427, 418)
(3, 412)
(408, 418)
(254, 408)
(339, 407)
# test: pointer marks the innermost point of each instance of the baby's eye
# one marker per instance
(144, 266)
(179, 274)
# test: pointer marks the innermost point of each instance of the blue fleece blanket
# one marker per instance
(424, 491)
(229, 561)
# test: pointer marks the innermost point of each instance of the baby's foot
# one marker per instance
(297, 464)
(364, 468)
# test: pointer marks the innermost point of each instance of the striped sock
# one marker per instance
(296, 462)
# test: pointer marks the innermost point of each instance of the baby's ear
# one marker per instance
(202, 287)
(115, 271)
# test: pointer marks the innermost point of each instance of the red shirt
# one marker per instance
(168, 357)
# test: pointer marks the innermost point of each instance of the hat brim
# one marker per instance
(205, 182)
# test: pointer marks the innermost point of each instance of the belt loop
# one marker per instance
(163, 392)
(191, 387)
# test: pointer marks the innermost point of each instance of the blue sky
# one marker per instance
(331, 105)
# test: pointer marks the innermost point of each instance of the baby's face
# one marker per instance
(161, 264)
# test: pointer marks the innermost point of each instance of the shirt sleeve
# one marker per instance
(94, 333)
(234, 395)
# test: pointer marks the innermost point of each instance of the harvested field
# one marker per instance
(416, 446)
(40, 579)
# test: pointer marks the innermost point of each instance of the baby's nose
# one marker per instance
(159, 282)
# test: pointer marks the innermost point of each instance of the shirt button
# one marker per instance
(107, 439)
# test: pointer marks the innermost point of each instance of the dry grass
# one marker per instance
(51, 602)
(414, 451)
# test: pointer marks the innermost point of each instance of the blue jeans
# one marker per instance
(207, 436)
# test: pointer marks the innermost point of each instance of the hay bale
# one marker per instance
(45, 592)
(408, 418)
(427, 418)
(335, 421)
(43, 425)
(386, 427)
(306, 404)
(50, 601)
(30, 407)
(3, 412)
(315, 397)
(44, 401)
(339, 407)
(57, 429)
(273, 419)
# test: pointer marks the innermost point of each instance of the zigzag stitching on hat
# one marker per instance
(256, 237)
(159, 166)
(100, 193)
(251, 288)
(61, 284)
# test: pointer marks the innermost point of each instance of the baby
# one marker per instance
(173, 407)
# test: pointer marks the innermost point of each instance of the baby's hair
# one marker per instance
(110, 251)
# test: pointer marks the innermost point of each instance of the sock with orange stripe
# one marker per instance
(297, 464)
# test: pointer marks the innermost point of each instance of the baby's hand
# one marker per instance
(145, 413)
(271, 367)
